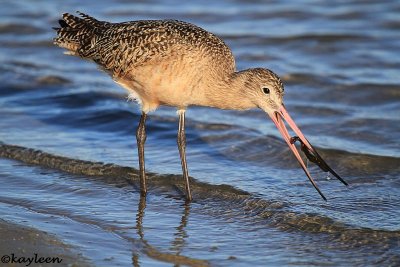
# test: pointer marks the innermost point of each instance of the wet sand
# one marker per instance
(24, 242)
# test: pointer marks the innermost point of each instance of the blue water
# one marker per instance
(339, 62)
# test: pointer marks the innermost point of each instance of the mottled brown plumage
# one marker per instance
(117, 47)
(164, 62)
(174, 63)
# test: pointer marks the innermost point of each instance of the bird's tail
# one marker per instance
(76, 34)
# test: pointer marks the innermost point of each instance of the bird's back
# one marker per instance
(120, 47)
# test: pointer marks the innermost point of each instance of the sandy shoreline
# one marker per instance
(25, 246)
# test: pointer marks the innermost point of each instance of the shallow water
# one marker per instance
(339, 62)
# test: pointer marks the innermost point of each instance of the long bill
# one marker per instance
(278, 118)
(308, 149)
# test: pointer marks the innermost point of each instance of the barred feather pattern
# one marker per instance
(119, 47)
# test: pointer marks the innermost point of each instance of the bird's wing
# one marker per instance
(116, 47)
(127, 45)
(120, 47)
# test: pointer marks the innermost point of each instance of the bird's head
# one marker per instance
(266, 91)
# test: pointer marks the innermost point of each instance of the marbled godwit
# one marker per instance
(174, 63)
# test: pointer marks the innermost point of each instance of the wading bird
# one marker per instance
(178, 64)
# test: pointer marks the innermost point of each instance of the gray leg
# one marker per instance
(141, 139)
(182, 146)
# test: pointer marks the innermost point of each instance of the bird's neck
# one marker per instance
(228, 93)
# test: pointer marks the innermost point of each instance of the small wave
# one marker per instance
(27, 44)
(273, 151)
(13, 28)
(320, 38)
(52, 80)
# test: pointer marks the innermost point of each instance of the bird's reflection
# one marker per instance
(139, 217)
(181, 234)
(139, 227)
(177, 243)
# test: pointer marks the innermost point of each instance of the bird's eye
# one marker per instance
(266, 90)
